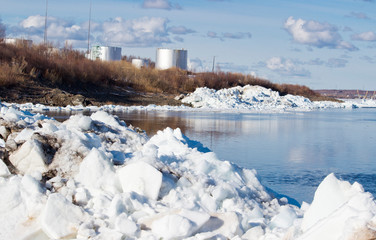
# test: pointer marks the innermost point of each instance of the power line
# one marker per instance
(45, 25)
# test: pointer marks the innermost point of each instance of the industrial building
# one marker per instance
(105, 53)
(169, 58)
(18, 41)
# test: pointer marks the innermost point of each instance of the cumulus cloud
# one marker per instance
(316, 34)
(228, 35)
(181, 30)
(36, 21)
(365, 36)
(286, 67)
(142, 32)
(160, 4)
(58, 30)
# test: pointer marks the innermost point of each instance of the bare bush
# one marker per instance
(69, 68)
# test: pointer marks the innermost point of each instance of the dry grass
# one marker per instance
(68, 68)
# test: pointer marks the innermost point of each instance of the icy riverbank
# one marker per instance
(92, 177)
(262, 99)
(239, 99)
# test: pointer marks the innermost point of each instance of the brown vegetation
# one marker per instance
(70, 71)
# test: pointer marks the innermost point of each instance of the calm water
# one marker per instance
(291, 152)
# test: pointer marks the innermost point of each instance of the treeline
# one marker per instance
(69, 69)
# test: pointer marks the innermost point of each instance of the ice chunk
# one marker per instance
(126, 226)
(4, 171)
(4, 132)
(284, 219)
(141, 178)
(24, 135)
(97, 171)
(254, 233)
(60, 218)
(176, 224)
(338, 211)
(29, 157)
(225, 224)
(329, 196)
(172, 227)
(106, 118)
(80, 122)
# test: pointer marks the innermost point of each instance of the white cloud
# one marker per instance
(331, 62)
(337, 63)
(358, 15)
(365, 36)
(212, 34)
(316, 34)
(180, 30)
(142, 32)
(159, 4)
(36, 21)
(228, 35)
(58, 30)
(286, 67)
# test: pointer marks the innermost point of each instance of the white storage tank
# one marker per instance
(165, 58)
(181, 57)
(139, 63)
(168, 58)
(105, 53)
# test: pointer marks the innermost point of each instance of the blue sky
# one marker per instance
(319, 43)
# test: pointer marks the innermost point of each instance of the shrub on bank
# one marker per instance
(69, 68)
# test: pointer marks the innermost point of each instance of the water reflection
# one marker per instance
(292, 152)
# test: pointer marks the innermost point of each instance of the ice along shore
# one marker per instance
(94, 177)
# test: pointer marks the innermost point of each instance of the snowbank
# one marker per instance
(261, 99)
(93, 177)
(245, 99)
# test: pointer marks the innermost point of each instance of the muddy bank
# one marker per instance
(34, 92)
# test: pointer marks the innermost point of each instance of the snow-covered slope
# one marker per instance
(95, 178)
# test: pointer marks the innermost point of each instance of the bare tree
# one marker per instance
(2, 31)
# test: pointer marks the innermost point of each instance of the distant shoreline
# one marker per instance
(347, 94)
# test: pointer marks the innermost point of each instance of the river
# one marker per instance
(292, 152)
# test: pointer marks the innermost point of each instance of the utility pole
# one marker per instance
(45, 25)
(213, 63)
(88, 35)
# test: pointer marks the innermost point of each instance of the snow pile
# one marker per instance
(92, 177)
(260, 99)
(247, 99)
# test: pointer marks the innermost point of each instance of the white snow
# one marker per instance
(258, 98)
(93, 177)
(244, 99)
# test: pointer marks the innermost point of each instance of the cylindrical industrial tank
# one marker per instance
(181, 57)
(165, 58)
(139, 63)
(110, 53)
